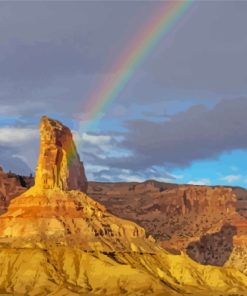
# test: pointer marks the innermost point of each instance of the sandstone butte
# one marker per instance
(56, 240)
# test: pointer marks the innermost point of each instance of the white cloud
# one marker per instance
(17, 135)
(104, 142)
(107, 177)
(160, 179)
(93, 168)
(126, 176)
(103, 146)
(129, 178)
(21, 157)
(231, 178)
(203, 181)
(96, 139)
(136, 178)
(177, 176)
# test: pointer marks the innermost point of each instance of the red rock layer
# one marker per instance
(11, 186)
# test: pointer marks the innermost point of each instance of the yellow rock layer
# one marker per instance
(59, 164)
(54, 242)
(71, 271)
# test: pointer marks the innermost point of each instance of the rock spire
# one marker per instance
(59, 164)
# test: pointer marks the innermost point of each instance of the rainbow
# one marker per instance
(159, 26)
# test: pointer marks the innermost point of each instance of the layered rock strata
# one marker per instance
(59, 164)
(58, 241)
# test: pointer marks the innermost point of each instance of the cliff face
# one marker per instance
(59, 164)
(68, 219)
(56, 241)
(173, 214)
(208, 223)
(11, 186)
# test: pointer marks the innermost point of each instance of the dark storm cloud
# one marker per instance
(198, 133)
(44, 40)
(204, 58)
(53, 54)
(59, 51)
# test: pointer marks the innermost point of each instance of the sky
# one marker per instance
(181, 118)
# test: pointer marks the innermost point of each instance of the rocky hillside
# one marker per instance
(62, 242)
(208, 223)
(171, 212)
(11, 185)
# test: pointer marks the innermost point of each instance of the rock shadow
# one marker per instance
(213, 249)
(241, 202)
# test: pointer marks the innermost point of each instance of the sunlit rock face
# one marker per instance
(59, 241)
(207, 223)
(59, 164)
(55, 210)
(174, 214)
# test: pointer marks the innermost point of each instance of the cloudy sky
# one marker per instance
(182, 117)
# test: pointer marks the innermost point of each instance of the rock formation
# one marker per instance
(58, 241)
(59, 164)
(208, 223)
(11, 186)
(173, 214)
